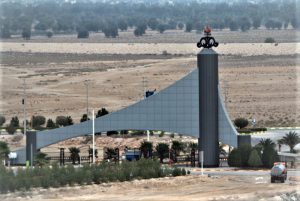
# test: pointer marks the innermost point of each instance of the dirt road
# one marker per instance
(173, 189)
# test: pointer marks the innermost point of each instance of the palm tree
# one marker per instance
(91, 153)
(74, 151)
(279, 142)
(146, 148)
(193, 145)
(291, 139)
(110, 153)
(177, 147)
(4, 150)
(162, 150)
(266, 143)
(41, 159)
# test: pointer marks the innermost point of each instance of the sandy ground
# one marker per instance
(258, 86)
(243, 49)
(163, 189)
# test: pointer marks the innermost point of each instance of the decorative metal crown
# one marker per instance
(207, 41)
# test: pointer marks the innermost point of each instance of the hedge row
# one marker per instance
(55, 176)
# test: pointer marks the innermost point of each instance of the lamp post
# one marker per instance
(24, 104)
(93, 118)
(86, 83)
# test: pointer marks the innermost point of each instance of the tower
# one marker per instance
(207, 62)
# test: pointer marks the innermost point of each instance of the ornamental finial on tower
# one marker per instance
(207, 41)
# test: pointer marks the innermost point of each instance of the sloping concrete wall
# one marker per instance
(174, 109)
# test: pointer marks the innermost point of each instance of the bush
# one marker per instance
(188, 27)
(110, 30)
(41, 159)
(254, 159)
(2, 120)
(84, 118)
(14, 122)
(50, 124)
(49, 34)
(61, 176)
(38, 121)
(161, 28)
(5, 32)
(180, 25)
(83, 33)
(270, 40)
(269, 156)
(4, 150)
(258, 129)
(245, 151)
(11, 129)
(162, 133)
(64, 121)
(241, 122)
(234, 158)
(26, 34)
(176, 172)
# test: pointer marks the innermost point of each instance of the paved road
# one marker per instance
(244, 173)
(274, 135)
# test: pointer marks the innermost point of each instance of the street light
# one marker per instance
(24, 104)
(86, 83)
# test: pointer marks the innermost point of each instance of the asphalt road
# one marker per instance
(243, 173)
(273, 135)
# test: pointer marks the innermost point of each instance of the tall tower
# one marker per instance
(207, 60)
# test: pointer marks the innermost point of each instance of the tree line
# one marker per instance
(49, 17)
(39, 122)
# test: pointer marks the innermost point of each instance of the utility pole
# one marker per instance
(93, 118)
(225, 92)
(24, 104)
(86, 83)
(144, 95)
(144, 87)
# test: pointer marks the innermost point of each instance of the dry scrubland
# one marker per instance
(260, 80)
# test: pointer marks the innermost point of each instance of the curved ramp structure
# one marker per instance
(175, 109)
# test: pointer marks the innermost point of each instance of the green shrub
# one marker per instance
(241, 122)
(245, 151)
(83, 33)
(269, 156)
(270, 40)
(234, 158)
(56, 176)
(11, 129)
(176, 172)
(2, 120)
(258, 129)
(49, 34)
(41, 159)
(254, 159)
(183, 171)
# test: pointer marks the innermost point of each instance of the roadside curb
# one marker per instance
(283, 128)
